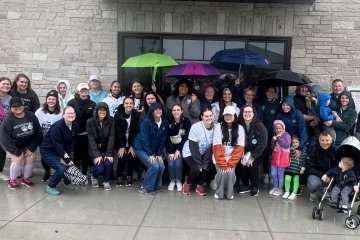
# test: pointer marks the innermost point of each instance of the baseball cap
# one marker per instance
(229, 110)
(82, 86)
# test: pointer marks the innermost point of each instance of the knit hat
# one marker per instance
(53, 93)
(279, 122)
(16, 102)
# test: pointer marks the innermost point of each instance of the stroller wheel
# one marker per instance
(352, 222)
(314, 212)
(321, 214)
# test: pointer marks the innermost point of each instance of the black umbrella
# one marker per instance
(282, 78)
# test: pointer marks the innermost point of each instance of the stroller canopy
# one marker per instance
(350, 147)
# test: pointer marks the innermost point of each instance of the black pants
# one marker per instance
(81, 154)
(45, 166)
(265, 158)
(126, 160)
(2, 159)
(249, 175)
(195, 176)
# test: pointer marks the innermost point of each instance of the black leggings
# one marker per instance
(195, 176)
(81, 154)
(126, 159)
(249, 175)
(2, 159)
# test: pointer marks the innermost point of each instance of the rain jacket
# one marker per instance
(101, 137)
(326, 113)
(294, 122)
(151, 138)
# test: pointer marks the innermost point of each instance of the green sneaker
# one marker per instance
(70, 187)
(52, 191)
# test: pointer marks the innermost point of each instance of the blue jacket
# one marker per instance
(294, 122)
(151, 138)
(59, 139)
(326, 113)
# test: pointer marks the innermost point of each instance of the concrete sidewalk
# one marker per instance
(123, 213)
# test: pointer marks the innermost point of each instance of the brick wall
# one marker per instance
(70, 39)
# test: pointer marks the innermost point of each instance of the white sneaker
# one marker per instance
(278, 192)
(179, 186)
(4, 177)
(94, 182)
(216, 196)
(271, 192)
(107, 186)
(171, 186)
(292, 196)
(286, 195)
(313, 197)
(213, 185)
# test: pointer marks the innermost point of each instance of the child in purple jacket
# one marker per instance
(280, 158)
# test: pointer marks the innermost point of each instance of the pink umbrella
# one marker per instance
(193, 69)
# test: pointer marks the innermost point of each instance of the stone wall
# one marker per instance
(70, 39)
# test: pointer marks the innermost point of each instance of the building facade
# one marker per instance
(52, 40)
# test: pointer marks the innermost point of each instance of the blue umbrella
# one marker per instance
(232, 59)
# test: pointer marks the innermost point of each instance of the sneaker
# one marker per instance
(186, 188)
(145, 191)
(216, 196)
(213, 184)
(343, 209)
(129, 182)
(286, 195)
(70, 187)
(4, 177)
(46, 176)
(52, 191)
(27, 182)
(254, 191)
(200, 190)
(292, 196)
(94, 182)
(119, 182)
(333, 204)
(278, 192)
(266, 179)
(271, 192)
(179, 186)
(171, 186)
(107, 186)
(244, 189)
(231, 197)
(13, 185)
(299, 191)
(313, 197)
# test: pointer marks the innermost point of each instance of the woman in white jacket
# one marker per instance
(64, 89)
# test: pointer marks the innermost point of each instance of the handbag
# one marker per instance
(75, 175)
(177, 138)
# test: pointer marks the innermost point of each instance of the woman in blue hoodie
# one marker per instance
(149, 145)
(294, 121)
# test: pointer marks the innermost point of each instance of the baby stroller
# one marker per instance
(350, 147)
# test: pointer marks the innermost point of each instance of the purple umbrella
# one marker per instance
(193, 69)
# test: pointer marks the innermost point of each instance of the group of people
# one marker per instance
(218, 138)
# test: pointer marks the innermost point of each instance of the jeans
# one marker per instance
(313, 183)
(345, 191)
(175, 168)
(104, 168)
(277, 174)
(54, 162)
(152, 179)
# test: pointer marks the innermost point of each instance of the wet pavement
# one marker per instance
(123, 213)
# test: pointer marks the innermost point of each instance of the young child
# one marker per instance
(326, 114)
(345, 181)
(293, 172)
(280, 158)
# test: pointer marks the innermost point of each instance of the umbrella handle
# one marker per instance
(154, 74)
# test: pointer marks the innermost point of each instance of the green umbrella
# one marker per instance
(153, 60)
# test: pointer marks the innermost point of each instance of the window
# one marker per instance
(197, 48)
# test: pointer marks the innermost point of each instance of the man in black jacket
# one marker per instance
(320, 159)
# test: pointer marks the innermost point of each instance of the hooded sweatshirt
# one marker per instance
(326, 113)
(84, 110)
(113, 102)
(152, 136)
(101, 136)
(97, 96)
(348, 116)
(63, 101)
(30, 99)
(294, 122)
